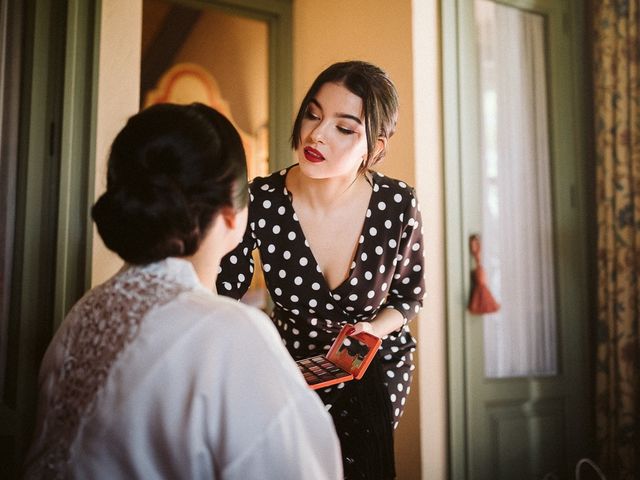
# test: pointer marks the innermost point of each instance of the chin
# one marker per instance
(313, 170)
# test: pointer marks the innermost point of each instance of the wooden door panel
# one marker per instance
(527, 440)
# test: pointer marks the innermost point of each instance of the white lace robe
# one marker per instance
(153, 376)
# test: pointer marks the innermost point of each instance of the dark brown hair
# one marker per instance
(170, 170)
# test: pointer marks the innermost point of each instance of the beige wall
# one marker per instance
(429, 184)
(118, 99)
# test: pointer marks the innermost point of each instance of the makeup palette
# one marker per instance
(347, 359)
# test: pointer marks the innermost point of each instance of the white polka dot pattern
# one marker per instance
(386, 272)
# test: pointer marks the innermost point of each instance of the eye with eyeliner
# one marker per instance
(345, 131)
(310, 115)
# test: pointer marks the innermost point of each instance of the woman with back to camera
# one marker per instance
(152, 374)
(340, 243)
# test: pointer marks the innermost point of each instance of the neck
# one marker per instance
(207, 272)
(324, 193)
(207, 259)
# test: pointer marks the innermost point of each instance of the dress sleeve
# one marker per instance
(236, 268)
(407, 287)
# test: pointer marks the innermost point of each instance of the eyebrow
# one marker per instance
(339, 115)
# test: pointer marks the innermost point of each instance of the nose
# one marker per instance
(317, 134)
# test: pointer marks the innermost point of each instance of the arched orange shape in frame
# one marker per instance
(186, 83)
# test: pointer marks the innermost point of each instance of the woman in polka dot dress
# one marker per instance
(340, 243)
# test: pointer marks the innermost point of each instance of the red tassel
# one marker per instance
(481, 300)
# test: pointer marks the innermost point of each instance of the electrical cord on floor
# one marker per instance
(592, 464)
(581, 462)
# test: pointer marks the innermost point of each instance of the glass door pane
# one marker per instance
(517, 222)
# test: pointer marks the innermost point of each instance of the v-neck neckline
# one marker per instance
(354, 260)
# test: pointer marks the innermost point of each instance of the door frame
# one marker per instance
(455, 34)
(55, 137)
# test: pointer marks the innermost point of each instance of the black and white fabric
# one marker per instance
(386, 272)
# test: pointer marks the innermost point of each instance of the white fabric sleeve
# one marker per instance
(274, 425)
(294, 446)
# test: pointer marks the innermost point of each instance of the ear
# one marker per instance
(381, 145)
(229, 216)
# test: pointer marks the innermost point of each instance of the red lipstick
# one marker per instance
(313, 155)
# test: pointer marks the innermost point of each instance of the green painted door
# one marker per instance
(514, 171)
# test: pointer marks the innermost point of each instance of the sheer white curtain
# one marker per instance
(517, 224)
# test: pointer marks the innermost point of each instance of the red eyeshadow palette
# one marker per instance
(347, 359)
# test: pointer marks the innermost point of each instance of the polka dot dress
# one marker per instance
(386, 272)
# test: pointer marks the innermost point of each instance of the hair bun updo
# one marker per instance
(170, 170)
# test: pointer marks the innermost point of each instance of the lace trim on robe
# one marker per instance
(104, 324)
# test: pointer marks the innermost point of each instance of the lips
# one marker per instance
(313, 155)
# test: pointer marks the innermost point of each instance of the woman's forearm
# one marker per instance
(387, 321)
